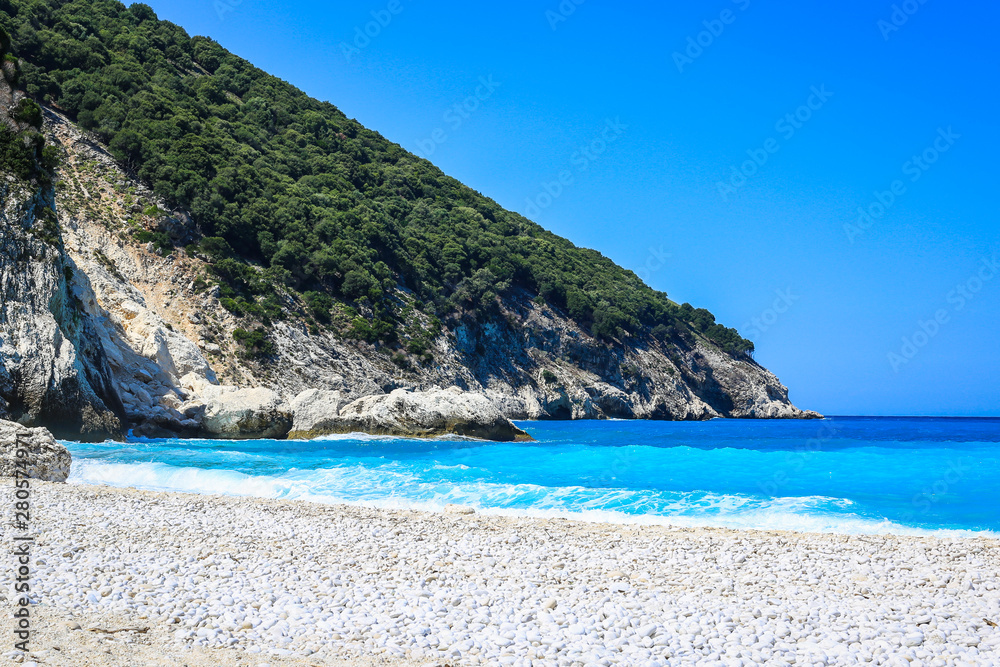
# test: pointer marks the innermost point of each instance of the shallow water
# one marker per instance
(844, 474)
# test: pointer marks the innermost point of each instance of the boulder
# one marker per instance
(426, 414)
(315, 412)
(244, 414)
(47, 459)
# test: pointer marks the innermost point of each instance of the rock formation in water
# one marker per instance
(411, 413)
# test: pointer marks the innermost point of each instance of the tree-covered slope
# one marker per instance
(289, 192)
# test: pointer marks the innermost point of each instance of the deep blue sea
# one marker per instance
(843, 474)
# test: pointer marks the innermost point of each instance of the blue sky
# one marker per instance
(721, 149)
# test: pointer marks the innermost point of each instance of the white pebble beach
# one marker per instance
(129, 577)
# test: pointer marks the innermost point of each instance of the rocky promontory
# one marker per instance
(408, 413)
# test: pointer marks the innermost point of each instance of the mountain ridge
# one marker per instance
(176, 309)
(329, 208)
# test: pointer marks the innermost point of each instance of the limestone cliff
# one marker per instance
(99, 329)
(53, 368)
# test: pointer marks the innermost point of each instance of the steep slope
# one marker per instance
(203, 222)
(335, 215)
(164, 336)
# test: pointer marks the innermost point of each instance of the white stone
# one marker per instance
(47, 459)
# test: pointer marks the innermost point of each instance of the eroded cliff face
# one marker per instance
(100, 331)
(53, 369)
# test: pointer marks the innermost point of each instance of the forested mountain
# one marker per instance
(302, 211)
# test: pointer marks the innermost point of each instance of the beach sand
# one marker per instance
(208, 580)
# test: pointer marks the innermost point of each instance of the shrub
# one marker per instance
(160, 240)
(27, 111)
(357, 284)
(370, 332)
(216, 247)
(319, 305)
(232, 306)
(663, 332)
(255, 344)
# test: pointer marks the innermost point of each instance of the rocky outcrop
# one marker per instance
(46, 459)
(424, 414)
(232, 413)
(316, 412)
(246, 414)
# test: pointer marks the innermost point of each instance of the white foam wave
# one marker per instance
(393, 487)
(368, 437)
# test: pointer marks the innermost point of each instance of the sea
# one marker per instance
(853, 475)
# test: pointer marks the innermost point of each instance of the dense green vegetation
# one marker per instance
(22, 151)
(291, 192)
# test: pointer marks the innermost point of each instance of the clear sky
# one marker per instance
(721, 149)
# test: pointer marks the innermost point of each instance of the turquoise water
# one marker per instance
(844, 474)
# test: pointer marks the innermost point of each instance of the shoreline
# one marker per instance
(236, 578)
(599, 517)
(778, 512)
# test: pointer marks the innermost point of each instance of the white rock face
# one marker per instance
(244, 413)
(53, 368)
(173, 354)
(426, 414)
(47, 459)
(316, 412)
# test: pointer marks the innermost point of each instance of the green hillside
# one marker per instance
(293, 196)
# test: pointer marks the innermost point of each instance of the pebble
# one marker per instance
(273, 578)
